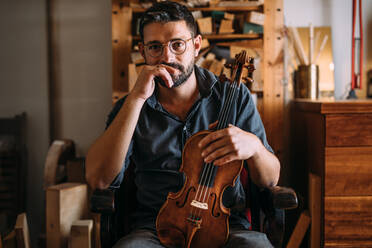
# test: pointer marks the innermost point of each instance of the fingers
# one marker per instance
(164, 72)
(213, 125)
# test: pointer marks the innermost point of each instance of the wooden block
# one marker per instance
(81, 234)
(300, 230)
(216, 67)
(205, 43)
(22, 232)
(205, 25)
(229, 16)
(315, 195)
(75, 171)
(208, 60)
(256, 18)
(226, 27)
(65, 203)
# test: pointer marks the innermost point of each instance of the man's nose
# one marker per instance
(168, 55)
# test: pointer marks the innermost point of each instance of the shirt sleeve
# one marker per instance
(248, 117)
(119, 178)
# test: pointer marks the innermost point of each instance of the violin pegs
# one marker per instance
(250, 67)
(248, 80)
(228, 65)
(223, 78)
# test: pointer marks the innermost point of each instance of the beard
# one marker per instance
(178, 79)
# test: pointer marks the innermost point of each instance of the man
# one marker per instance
(171, 100)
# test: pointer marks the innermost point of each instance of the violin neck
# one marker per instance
(223, 118)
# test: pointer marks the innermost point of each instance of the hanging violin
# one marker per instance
(195, 216)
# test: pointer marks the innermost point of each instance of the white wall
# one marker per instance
(83, 68)
(23, 87)
(338, 15)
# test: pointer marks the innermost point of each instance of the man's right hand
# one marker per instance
(145, 84)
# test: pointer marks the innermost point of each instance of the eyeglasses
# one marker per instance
(177, 46)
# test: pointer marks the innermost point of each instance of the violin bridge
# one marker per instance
(201, 205)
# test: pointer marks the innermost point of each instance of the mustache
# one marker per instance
(175, 65)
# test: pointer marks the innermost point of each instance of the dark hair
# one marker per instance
(168, 11)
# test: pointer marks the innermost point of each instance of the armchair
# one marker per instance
(266, 213)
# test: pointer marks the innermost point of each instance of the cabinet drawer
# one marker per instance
(349, 130)
(348, 171)
(348, 220)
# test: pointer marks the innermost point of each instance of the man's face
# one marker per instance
(164, 33)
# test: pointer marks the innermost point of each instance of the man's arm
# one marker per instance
(233, 143)
(106, 156)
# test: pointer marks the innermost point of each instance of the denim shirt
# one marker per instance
(159, 138)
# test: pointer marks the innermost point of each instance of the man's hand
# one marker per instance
(145, 84)
(229, 144)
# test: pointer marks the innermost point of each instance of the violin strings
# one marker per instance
(224, 120)
(209, 168)
(206, 174)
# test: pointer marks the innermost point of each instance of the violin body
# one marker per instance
(184, 222)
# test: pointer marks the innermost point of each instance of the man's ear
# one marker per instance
(141, 49)
(197, 44)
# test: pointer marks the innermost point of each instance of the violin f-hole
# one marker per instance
(186, 197)
(214, 206)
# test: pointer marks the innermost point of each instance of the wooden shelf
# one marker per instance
(209, 9)
(222, 36)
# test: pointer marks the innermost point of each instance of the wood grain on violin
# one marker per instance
(195, 216)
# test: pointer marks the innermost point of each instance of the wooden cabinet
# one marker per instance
(333, 139)
(271, 100)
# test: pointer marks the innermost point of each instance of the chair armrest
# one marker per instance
(283, 198)
(103, 201)
(277, 197)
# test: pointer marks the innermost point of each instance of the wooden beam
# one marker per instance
(22, 232)
(121, 48)
(300, 230)
(273, 99)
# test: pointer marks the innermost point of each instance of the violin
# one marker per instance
(195, 216)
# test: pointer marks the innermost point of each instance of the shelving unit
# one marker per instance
(271, 101)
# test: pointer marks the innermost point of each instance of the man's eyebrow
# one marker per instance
(158, 42)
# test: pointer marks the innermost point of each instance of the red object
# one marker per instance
(356, 79)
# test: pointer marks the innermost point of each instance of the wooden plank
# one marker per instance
(121, 48)
(356, 163)
(65, 203)
(315, 203)
(22, 232)
(273, 101)
(81, 234)
(214, 8)
(349, 130)
(300, 230)
(334, 107)
(348, 220)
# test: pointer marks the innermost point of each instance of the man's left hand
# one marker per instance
(229, 144)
